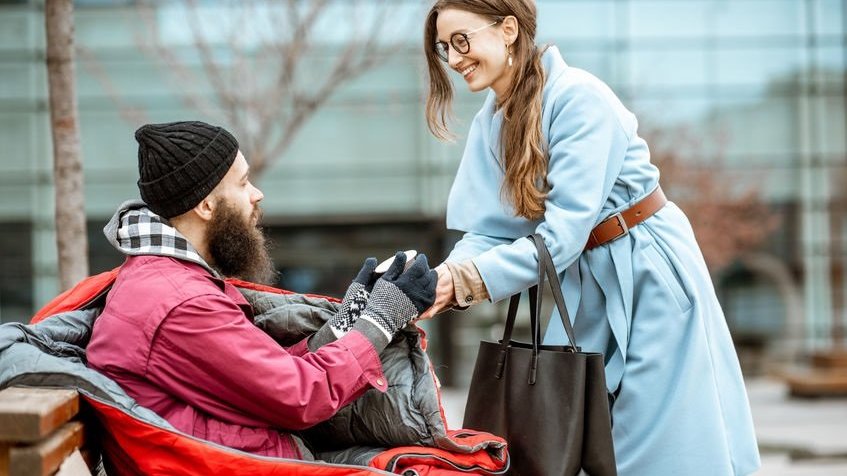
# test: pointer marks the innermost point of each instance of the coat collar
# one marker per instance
(554, 67)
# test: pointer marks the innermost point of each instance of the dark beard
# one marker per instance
(238, 249)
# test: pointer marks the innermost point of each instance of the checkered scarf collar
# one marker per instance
(135, 230)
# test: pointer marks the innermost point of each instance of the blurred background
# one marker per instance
(742, 101)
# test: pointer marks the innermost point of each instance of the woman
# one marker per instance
(554, 151)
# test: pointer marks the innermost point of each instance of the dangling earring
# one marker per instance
(510, 56)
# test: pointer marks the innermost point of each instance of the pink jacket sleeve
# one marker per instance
(208, 354)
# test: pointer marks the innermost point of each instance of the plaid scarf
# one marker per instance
(136, 230)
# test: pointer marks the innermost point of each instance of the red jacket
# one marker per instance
(181, 343)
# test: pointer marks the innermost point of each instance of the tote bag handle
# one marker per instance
(548, 270)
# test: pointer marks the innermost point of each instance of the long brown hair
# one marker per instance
(521, 142)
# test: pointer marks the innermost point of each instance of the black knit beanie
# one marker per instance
(179, 163)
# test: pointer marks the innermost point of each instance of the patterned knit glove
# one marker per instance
(398, 297)
(355, 299)
(351, 307)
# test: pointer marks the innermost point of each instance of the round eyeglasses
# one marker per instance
(459, 41)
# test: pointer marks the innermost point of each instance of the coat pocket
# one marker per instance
(665, 269)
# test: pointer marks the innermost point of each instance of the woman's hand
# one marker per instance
(445, 295)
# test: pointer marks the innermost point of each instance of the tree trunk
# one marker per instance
(71, 238)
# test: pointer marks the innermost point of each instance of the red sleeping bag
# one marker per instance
(132, 446)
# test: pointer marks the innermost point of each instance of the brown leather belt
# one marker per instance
(618, 225)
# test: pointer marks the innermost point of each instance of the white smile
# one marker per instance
(470, 69)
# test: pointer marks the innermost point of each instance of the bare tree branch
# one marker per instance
(168, 61)
(356, 58)
(95, 68)
(729, 217)
(214, 72)
(253, 58)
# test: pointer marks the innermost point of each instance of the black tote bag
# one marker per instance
(548, 402)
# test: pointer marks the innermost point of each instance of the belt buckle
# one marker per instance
(621, 224)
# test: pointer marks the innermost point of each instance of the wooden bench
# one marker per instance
(42, 433)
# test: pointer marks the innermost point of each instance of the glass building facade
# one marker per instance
(759, 83)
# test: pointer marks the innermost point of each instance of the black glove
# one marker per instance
(397, 297)
(366, 277)
(351, 307)
(417, 283)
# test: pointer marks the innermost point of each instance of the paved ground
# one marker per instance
(798, 437)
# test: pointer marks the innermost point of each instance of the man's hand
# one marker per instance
(354, 302)
(355, 299)
(397, 298)
(367, 277)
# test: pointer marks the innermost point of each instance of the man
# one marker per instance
(179, 339)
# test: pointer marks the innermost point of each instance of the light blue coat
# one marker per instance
(645, 300)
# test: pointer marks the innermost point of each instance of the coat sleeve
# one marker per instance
(586, 146)
(208, 354)
(472, 244)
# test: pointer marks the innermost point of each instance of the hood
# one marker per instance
(136, 230)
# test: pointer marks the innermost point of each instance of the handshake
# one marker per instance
(379, 304)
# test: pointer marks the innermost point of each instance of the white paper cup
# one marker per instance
(383, 267)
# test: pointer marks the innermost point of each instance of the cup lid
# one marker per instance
(383, 267)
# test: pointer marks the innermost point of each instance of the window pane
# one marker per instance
(838, 184)
(831, 62)
(829, 17)
(16, 30)
(763, 129)
(666, 18)
(691, 19)
(16, 136)
(758, 66)
(775, 183)
(559, 20)
(102, 3)
(15, 80)
(323, 257)
(668, 68)
(599, 62)
(829, 125)
(687, 111)
(754, 309)
(759, 17)
(16, 272)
